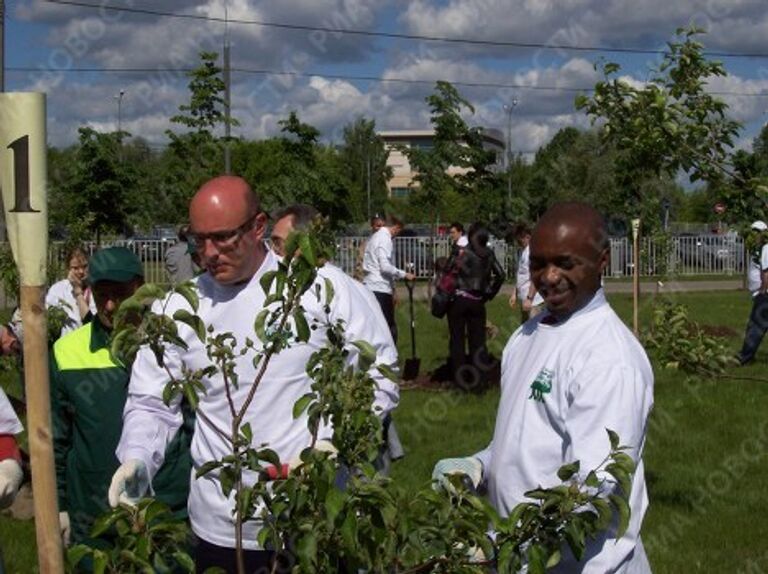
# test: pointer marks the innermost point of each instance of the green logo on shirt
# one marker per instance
(541, 385)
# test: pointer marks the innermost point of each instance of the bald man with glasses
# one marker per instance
(228, 227)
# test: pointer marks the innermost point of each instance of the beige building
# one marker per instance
(402, 175)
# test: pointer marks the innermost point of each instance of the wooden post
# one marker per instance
(636, 276)
(23, 184)
(49, 547)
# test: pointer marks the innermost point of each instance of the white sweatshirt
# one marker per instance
(9, 422)
(380, 273)
(755, 271)
(61, 294)
(149, 425)
(562, 386)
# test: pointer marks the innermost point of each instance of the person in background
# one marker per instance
(525, 291)
(458, 239)
(228, 227)
(11, 474)
(757, 283)
(179, 262)
(479, 277)
(379, 271)
(567, 375)
(299, 217)
(88, 393)
(73, 295)
(376, 223)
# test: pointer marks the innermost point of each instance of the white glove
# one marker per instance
(469, 466)
(11, 476)
(130, 483)
(64, 527)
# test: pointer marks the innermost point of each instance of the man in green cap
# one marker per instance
(88, 393)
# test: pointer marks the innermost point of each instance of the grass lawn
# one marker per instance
(705, 458)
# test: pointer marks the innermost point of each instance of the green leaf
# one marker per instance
(227, 477)
(307, 249)
(329, 292)
(188, 291)
(75, 554)
(247, 432)
(207, 467)
(614, 438)
(267, 279)
(566, 471)
(306, 551)
(554, 559)
(334, 502)
(388, 372)
(193, 321)
(302, 328)
(536, 559)
(258, 325)
(592, 480)
(100, 561)
(301, 405)
(621, 505)
(621, 476)
(367, 354)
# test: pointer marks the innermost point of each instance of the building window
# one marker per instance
(400, 191)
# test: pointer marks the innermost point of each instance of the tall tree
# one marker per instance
(197, 155)
(670, 124)
(455, 144)
(101, 186)
(364, 161)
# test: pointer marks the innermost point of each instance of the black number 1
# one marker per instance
(20, 149)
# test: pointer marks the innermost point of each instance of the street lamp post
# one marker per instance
(509, 108)
(119, 98)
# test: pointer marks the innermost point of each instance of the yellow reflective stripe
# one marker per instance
(73, 352)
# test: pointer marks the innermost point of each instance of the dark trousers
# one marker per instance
(466, 324)
(209, 555)
(756, 328)
(387, 304)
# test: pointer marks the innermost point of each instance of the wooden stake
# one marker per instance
(636, 276)
(49, 547)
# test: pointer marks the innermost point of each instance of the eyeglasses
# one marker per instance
(222, 239)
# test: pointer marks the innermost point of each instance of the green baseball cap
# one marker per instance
(117, 264)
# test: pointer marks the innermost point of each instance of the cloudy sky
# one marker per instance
(508, 50)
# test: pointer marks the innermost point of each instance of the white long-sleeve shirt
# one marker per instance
(149, 425)
(61, 293)
(380, 273)
(562, 386)
(756, 269)
(523, 280)
(9, 422)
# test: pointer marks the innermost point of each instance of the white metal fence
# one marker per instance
(683, 255)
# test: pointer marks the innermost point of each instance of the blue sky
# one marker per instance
(53, 38)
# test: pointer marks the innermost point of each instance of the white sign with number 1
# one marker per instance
(23, 182)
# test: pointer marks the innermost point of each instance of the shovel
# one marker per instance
(412, 365)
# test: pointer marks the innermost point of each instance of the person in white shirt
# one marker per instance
(228, 227)
(72, 294)
(567, 375)
(458, 239)
(757, 283)
(531, 302)
(11, 474)
(379, 271)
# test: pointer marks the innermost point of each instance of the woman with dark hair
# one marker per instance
(479, 278)
(72, 294)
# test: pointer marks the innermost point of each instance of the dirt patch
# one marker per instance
(719, 331)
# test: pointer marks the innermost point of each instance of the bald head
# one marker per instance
(569, 252)
(227, 225)
(577, 215)
(224, 193)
